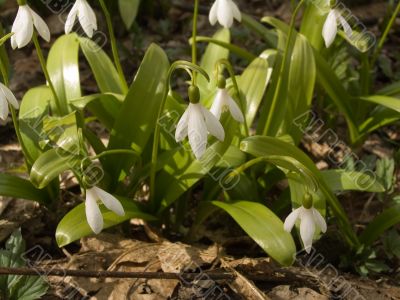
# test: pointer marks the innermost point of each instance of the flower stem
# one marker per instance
(115, 152)
(46, 73)
(382, 41)
(282, 70)
(28, 159)
(114, 47)
(194, 38)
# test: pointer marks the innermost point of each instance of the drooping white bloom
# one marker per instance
(23, 25)
(309, 218)
(86, 16)
(330, 29)
(224, 11)
(222, 102)
(93, 213)
(6, 98)
(196, 123)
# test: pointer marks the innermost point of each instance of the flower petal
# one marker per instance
(219, 102)
(213, 16)
(93, 213)
(291, 220)
(225, 14)
(182, 127)
(197, 130)
(236, 12)
(22, 27)
(307, 228)
(110, 201)
(330, 28)
(213, 125)
(40, 26)
(319, 220)
(87, 18)
(9, 96)
(3, 106)
(235, 110)
(346, 27)
(69, 23)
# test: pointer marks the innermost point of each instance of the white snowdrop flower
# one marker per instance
(309, 219)
(23, 25)
(196, 123)
(6, 98)
(86, 16)
(224, 11)
(223, 102)
(330, 29)
(93, 213)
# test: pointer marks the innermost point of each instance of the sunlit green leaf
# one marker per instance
(264, 227)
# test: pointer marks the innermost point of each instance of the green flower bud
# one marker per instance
(194, 94)
(221, 82)
(307, 201)
(21, 2)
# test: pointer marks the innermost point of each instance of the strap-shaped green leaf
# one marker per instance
(63, 67)
(380, 224)
(342, 180)
(74, 225)
(103, 69)
(34, 107)
(51, 164)
(264, 227)
(16, 187)
(138, 115)
(128, 10)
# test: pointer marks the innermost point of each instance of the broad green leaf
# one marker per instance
(16, 187)
(74, 225)
(34, 107)
(105, 107)
(379, 117)
(138, 115)
(302, 76)
(380, 224)
(62, 132)
(63, 67)
(51, 164)
(264, 227)
(103, 69)
(391, 90)
(211, 56)
(341, 180)
(254, 81)
(82, 102)
(128, 10)
(313, 21)
(328, 80)
(389, 102)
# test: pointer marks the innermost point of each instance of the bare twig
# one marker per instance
(112, 274)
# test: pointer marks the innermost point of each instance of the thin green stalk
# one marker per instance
(28, 159)
(46, 73)
(382, 41)
(114, 47)
(283, 66)
(194, 38)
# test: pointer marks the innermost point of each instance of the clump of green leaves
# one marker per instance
(14, 287)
